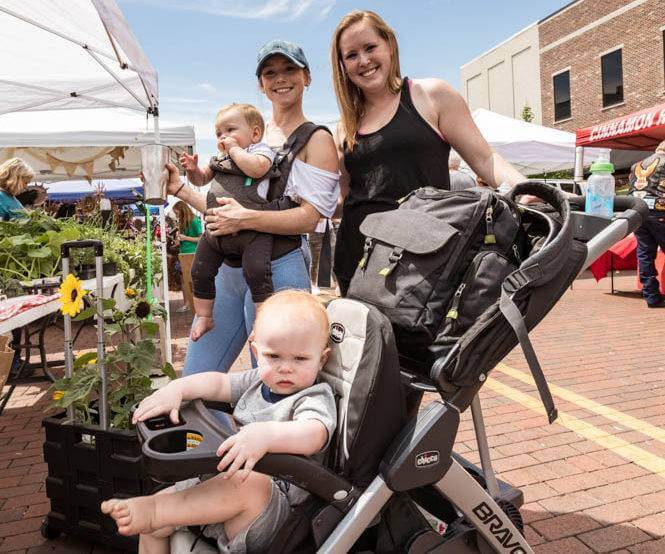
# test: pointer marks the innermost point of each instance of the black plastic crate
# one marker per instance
(87, 465)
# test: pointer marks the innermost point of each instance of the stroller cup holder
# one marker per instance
(176, 451)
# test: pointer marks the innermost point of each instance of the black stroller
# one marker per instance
(384, 470)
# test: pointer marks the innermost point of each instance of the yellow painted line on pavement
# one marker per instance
(626, 420)
(635, 454)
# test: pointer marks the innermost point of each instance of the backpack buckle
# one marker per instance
(394, 257)
(366, 251)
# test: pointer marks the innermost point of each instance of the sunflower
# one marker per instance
(71, 296)
(142, 309)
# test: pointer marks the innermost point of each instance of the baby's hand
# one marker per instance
(163, 401)
(228, 143)
(190, 163)
(244, 449)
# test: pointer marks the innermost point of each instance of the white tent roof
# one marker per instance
(89, 127)
(64, 54)
(529, 147)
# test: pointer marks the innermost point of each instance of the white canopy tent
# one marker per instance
(89, 143)
(529, 147)
(75, 55)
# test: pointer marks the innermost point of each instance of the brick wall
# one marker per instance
(638, 30)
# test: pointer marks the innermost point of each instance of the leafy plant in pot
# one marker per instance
(130, 358)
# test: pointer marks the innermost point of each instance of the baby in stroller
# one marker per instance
(282, 409)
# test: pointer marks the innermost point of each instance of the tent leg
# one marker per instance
(166, 337)
(578, 177)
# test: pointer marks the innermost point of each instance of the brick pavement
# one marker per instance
(594, 481)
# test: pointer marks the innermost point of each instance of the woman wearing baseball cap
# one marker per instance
(283, 73)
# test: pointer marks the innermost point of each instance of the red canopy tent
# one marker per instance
(642, 130)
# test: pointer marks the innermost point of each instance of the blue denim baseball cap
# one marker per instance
(287, 49)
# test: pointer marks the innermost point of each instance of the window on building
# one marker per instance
(612, 75)
(561, 96)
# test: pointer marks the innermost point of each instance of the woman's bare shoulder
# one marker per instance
(321, 151)
(434, 90)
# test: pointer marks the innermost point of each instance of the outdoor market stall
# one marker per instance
(79, 56)
(641, 131)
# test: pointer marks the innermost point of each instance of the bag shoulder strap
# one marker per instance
(514, 317)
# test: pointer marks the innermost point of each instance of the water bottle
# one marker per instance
(600, 188)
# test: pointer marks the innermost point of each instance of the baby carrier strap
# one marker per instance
(539, 271)
(283, 244)
(287, 155)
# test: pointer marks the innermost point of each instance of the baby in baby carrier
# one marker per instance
(242, 171)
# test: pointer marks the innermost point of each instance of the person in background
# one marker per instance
(459, 180)
(647, 181)
(15, 175)
(316, 245)
(189, 231)
(105, 210)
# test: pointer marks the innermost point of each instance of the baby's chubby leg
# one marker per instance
(234, 502)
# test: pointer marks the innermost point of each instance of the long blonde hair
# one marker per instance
(184, 214)
(15, 174)
(350, 98)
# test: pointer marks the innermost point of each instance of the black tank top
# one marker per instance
(405, 154)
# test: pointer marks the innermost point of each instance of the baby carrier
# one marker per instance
(384, 471)
(230, 181)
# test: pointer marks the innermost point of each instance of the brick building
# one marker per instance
(601, 59)
(597, 60)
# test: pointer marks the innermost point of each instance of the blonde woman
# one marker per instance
(395, 133)
(15, 175)
(189, 231)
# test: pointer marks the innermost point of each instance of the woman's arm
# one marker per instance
(231, 217)
(439, 103)
(176, 188)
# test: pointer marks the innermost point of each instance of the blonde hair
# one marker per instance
(184, 214)
(308, 308)
(250, 114)
(661, 147)
(15, 174)
(350, 98)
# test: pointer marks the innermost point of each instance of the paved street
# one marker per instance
(594, 481)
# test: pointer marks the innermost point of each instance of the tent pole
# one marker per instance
(165, 272)
(578, 176)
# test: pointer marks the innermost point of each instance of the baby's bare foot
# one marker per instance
(132, 515)
(201, 326)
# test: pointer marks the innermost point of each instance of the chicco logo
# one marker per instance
(427, 459)
(337, 332)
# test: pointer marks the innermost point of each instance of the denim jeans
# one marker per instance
(650, 236)
(234, 314)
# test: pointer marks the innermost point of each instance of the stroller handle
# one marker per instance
(632, 209)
